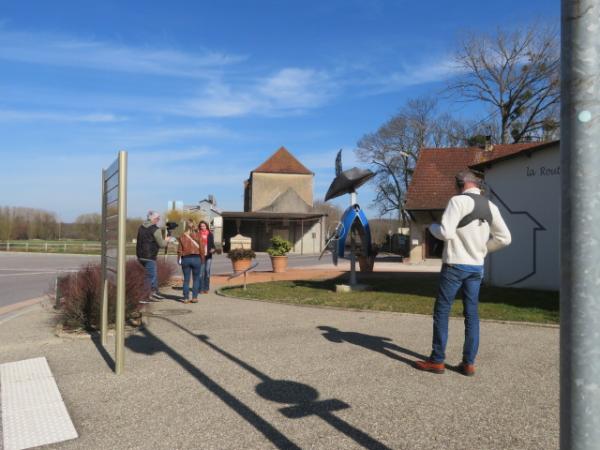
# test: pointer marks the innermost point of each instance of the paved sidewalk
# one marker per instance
(232, 374)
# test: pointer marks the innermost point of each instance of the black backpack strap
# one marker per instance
(481, 211)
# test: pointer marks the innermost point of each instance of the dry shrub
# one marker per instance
(81, 304)
(165, 271)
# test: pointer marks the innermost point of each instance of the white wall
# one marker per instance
(307, 244)
(530, 188)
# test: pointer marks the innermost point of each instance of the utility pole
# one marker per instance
(580, 235)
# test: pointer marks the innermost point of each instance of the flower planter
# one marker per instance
(239, 265)
(279, 263)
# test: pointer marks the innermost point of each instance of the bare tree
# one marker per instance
(26, 223)
(392, 151)
(334, 213)
(89, 226)
(517, 74)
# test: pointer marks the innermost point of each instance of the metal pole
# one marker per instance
(580, 233)
(120, 315)
(103, 282)
(352, 261)
(57, 292)
(302, 238)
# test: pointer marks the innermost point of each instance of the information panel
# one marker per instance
(114, 217)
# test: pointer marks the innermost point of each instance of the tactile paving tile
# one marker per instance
(33, 412)
(27, 369)
(40, 426)
(30, 393)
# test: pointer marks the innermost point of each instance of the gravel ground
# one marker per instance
(232, 374)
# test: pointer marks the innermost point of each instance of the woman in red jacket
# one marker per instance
(208, 244)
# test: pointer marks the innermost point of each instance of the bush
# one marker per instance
(241, 253)
(81, 304)
(279, 246)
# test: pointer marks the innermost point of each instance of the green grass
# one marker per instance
(406, 292)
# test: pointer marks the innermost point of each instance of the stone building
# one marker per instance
(278, 200)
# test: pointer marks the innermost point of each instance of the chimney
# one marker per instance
(488, 143)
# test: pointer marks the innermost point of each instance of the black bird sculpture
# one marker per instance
(347, 181)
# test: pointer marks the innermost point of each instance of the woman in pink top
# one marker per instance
(208, 241)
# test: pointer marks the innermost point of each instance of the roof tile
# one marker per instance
(432, 183)
(282, 161)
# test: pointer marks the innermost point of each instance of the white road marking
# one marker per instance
(26, 274)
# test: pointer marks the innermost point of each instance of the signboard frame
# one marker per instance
(113, 259)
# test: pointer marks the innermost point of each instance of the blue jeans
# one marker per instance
(191, 265)
(151, 273)
(205, 275)
(451, 280)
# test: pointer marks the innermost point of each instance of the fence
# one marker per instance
(64, 247)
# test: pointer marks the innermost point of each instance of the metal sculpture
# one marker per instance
(353, 219)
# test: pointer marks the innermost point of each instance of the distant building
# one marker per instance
(278, 200)
(212, 214)
(523, 180)
(280, 184)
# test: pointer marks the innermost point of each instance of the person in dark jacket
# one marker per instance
(149, 242)
(208, 241)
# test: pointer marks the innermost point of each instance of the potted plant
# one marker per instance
(278, 253)
(241, 258)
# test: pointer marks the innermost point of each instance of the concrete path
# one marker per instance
(232, 374)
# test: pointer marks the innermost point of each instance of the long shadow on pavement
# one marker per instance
(378, 344)
(110, 362)
(304, 399)
(150, 344)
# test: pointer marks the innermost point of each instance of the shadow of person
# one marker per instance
(377, 344)
(176, 298)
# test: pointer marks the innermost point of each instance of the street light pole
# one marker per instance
(580, 234)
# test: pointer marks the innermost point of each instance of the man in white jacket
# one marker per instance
(471, 227)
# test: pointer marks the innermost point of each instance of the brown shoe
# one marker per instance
(430, 366)
(194, 300)
(468, 370)
(186, 301)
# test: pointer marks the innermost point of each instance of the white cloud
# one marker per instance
(288, 91)
(7, 115)
(412, 74)
(296, 88)
(63, 50)
(169, 156)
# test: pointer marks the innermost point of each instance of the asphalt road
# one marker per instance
(28, 275)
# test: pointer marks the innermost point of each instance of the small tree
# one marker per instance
(279, 246)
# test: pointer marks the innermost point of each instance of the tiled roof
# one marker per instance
(432, 183)
(282, 161)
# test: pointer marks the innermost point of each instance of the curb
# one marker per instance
(16, 309)
(340, 308)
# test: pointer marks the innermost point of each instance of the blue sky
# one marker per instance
(200, 93)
